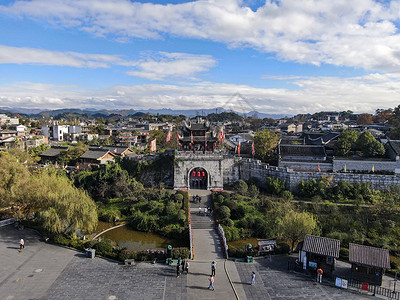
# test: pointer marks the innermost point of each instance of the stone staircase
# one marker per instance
(201, 221)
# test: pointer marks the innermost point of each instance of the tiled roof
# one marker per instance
(94, 154)
(320, 139)
(321, 245)
(395, 146)
(116, 149)
(301, 150)
(369, 256)
(53, 151)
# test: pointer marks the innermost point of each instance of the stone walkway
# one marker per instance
(207, 248)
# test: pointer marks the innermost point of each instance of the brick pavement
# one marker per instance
(100, 278)
(273, 281)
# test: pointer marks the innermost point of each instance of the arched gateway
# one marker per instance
(198, 178)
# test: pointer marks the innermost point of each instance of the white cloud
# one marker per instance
(157, 66)
(357, 33)
(359, 94)
(34, 56)
(163, 65)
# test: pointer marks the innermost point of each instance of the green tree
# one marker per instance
(71, 156)
(265, 143)
(274, 186)
(369, 146)
(241, 187)
(346, 142)
(60, 206)
(294, 225)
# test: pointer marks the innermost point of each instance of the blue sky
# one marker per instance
(284, 57)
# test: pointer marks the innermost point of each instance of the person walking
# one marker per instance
(21, 244)
(178, 270)
(319, 275)
(213, 266)
(253, 278)
(187, 267)
(183, 265)
(211, 286)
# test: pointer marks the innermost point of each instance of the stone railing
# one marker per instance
(8, 222)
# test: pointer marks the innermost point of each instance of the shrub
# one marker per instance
(109, 215)
(178, 198)
(90, 244)
(61, 239)
(224, 212)
(282, 248)
(287, 195)
(170, 209)
(180, 252)
(152, 205)
(237, 251)
(182, 216)
(274, 186)
(227, 222)
(231, 233)
(238, 213)
(103, 247)
(241, 187)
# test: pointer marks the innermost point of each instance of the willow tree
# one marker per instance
(61, 207)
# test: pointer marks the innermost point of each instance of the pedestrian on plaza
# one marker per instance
(178, 269)
(319, 275)
(211, 286)
(205, 211)
(21, 244)
(187, 267)
(183, 265)
(253, 278)
(199, 199)
(213, 266)
(199, 211)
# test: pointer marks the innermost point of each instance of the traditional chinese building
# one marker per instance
(198, 135)
(319, 252)
(368, 264)
(197, 163)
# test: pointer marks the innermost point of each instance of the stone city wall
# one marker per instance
(366, 165)
(254, 168)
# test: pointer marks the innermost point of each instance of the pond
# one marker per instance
(131, 239)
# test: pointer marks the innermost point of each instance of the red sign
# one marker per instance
(364, 286)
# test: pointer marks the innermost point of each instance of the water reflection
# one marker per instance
(128, 238)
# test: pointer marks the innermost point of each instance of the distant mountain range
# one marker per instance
(131, 112)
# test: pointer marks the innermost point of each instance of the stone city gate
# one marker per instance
(198, 178)
(202, 171)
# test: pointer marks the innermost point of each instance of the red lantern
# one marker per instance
(203, 174)
(198, 173)
(194, 174)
